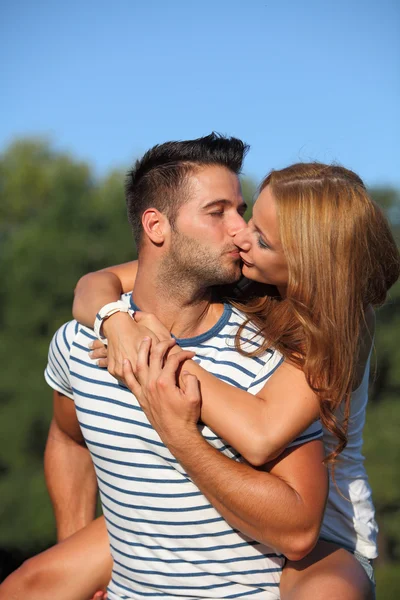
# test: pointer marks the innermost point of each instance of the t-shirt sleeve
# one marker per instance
(57, 372)
(314, 431)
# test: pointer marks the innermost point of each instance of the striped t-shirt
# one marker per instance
(166, 539)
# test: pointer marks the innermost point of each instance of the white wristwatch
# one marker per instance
(107, 311)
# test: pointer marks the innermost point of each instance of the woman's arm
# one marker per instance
(260, 427)
(280, 505)
(94, 290)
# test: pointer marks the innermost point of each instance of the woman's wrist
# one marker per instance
(105, 313)
(117, 321)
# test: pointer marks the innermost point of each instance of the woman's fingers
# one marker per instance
(103, 363)
(130, 379)
(99, 352)
(141, 316)
(96, 344)
(153, 324)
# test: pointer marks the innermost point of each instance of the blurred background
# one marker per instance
(88, 86)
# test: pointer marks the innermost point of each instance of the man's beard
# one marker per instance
(191, 264)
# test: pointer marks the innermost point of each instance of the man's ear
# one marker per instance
(155, 225)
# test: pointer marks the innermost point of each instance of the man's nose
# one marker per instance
(237, 225)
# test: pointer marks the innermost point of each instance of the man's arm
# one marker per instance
(69, 470)
(281, 506)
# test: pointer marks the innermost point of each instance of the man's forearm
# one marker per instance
(71, 482)
(259, 504)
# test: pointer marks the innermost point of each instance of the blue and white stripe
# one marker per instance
(167, 540)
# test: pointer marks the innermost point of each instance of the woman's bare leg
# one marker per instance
(72, 570)
(327, 573)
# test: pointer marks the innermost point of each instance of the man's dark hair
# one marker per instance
(159, 178)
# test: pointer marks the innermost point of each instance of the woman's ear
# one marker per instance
(155, 225)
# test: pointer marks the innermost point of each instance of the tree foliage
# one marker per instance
(57, 222)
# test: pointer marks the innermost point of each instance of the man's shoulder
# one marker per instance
(69, 345)
(57, 372)
(250, 344)
(249, 332)
(236, 312)
(66, 335)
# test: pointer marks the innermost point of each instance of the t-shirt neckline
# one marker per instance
(203, 337)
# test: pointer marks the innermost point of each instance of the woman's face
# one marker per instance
(260, 245)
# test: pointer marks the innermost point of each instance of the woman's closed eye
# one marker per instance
(262, 244)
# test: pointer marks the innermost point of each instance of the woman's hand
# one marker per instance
(172, 410)
(152, 323)
(124, 337)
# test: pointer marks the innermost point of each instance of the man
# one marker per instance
(202, 526)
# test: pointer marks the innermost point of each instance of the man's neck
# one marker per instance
(185, 309)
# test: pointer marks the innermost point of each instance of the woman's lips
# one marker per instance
(245, 262)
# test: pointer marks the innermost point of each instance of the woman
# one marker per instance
(318, 238)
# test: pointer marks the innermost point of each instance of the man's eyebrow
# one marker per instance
(225, 202)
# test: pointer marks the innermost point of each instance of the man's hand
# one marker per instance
(173, 411)
(124, 337)
(280, 505)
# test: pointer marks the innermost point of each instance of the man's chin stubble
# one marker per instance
(186, 282)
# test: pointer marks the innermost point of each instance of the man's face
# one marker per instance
(202, 248)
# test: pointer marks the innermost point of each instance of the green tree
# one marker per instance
(57, 222)
(381, 445)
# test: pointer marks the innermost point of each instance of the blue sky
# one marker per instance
(296, 79)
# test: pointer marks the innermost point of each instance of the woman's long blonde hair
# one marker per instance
(341, 257)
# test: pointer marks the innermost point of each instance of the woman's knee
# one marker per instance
(23, 582)
(33, 572)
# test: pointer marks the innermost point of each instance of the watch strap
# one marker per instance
(107, 311)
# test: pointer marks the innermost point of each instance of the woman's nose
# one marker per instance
(241, 239)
